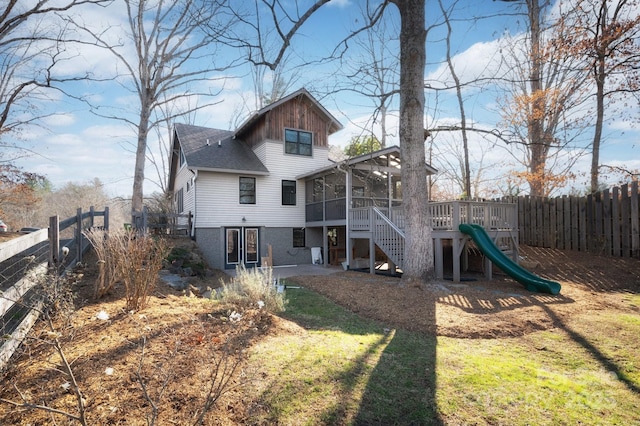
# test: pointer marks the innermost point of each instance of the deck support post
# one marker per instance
(439, 262)
(372, 256)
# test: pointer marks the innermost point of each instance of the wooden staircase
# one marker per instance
(388, 237)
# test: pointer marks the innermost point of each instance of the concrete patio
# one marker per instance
(297, 270)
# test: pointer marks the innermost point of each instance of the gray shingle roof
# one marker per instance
(223, 153)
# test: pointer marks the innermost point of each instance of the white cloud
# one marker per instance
(60, 120)
(339, 3)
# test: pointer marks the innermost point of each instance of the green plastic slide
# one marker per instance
(486, 245)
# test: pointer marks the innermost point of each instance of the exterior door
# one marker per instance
(242, 245)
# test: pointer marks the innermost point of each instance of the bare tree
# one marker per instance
(32, 45)
(607, 34)
(374, 74)
(418, 266)
(543, 93)
(174, 57)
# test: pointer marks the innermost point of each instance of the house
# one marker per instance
(242, 187)
(270, 184)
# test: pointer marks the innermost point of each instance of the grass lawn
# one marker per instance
(343, 369)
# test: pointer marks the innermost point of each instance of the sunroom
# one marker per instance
(368, 181)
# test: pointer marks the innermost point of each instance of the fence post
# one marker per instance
(635, 221)
(106, 219)
(92, 216)
(54, 240)
(79, 234)
(145, 220)
(615, 221)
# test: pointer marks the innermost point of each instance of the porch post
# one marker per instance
(348, 226)
(325, 246)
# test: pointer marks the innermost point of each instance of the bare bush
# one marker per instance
(108, 271)
(56, 300)
(138, 259)
(251, 288)
(128, 257)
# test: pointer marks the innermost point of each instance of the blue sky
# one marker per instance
(76, 146)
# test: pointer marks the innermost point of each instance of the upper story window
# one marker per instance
(297, 142)
(288, 192)
(247, 190)
(182, 158)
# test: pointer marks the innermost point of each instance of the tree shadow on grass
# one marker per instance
(409, 363)
(398, 369)
(591, 346)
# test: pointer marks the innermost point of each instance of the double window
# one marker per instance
(247, 190)
(297, 142)
(288, 192)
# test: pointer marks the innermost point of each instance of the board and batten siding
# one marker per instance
(218, 193)
(298, 114)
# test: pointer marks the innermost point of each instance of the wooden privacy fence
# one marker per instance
(606, 223)
(25, 259)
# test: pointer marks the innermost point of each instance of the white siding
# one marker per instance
(184, 175)
(218, 193)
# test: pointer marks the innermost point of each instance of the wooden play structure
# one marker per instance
(384, 228)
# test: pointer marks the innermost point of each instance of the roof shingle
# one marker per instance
(221, 153)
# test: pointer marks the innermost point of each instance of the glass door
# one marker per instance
(233, 249)
(242, 245)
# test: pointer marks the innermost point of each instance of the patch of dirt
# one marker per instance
(477, 308)
(164, 357)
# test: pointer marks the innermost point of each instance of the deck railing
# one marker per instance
(446, 216)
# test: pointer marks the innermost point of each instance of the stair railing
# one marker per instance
(387, 236)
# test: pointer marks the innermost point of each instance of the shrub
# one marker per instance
(128, 257)
(139, 261)
(252, 288)
(106, 250)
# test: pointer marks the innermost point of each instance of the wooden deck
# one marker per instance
(385, 228)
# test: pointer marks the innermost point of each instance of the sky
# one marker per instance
(74, 145)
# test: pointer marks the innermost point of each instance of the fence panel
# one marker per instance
(606, 222)
(23, 260)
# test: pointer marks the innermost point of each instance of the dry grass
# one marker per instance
(471, 353)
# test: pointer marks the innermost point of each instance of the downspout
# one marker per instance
(195, 201)
(348, 205)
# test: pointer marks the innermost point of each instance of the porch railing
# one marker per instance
(446, 216)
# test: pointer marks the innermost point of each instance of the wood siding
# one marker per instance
(297, 114)
(184, 175)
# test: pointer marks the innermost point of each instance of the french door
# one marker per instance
(241, 246)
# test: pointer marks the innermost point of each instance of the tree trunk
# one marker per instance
(597, 135)
(418, 257)
(536, 115)
(141, 153)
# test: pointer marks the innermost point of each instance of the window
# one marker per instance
(183, 159)
(357, 191)
(247, 190)
(180, 200)
(298, 237)
(297, 142)
(288, 192)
